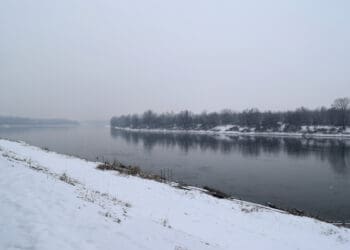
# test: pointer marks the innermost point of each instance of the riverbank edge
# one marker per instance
(19, 152)
(237, 134)
(218, 194)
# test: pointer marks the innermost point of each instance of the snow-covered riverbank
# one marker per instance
(53, 201)
(225, 130)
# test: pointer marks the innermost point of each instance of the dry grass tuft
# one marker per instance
(64, 177)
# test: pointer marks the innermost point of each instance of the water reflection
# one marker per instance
(311, 175)
(336, 152)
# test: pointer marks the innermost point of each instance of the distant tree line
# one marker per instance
(336, 115)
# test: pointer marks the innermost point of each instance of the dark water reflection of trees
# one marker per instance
(336, 152)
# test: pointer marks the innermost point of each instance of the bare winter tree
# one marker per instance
(342, 105)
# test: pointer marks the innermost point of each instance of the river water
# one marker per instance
(311, 175)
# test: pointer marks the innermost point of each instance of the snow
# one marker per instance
(222, 128)
(245, 131)
(93, 209)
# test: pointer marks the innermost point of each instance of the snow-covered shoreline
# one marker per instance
(54, 201)
(237, 133)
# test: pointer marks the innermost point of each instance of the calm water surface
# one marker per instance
(311, 175)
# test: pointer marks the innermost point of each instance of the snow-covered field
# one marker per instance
(307, 131)
(52, 201)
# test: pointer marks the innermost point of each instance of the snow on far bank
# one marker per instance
(52, 201)
(233, 130)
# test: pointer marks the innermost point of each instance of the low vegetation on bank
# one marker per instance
(334, 119)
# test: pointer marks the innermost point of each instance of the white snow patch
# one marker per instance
(222, 128)
(234, 130)
(347, 130)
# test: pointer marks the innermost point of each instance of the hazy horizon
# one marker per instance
(107, 119)
(88, 60)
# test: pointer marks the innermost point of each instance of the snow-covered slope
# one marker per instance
(51, 201)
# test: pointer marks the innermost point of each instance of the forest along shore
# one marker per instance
(332, 122)
(54, 201)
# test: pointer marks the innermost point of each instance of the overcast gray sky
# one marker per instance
(89, 59)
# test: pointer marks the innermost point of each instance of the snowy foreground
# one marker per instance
(52, 201)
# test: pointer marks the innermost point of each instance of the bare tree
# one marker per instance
(342, 105)
(337, 115)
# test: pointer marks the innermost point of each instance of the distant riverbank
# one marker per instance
(12, 121)
(226, 130)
